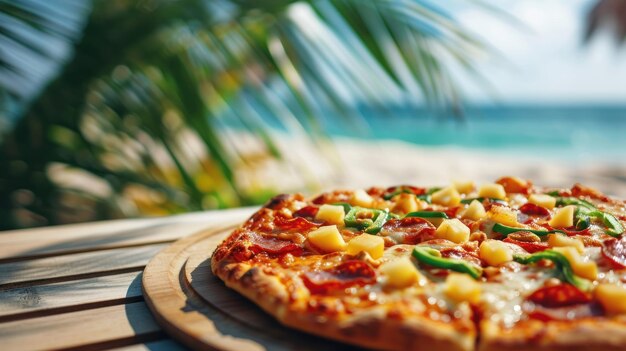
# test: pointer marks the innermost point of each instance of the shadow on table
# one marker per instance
(144, 325)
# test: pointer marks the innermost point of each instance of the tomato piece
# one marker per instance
(558, 296)
(345, 275)
(615, 250)
(579, 190)
(530, 247)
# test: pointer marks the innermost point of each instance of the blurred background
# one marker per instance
(120, 108)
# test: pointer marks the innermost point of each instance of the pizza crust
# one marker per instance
(535, 335)
(370, 328)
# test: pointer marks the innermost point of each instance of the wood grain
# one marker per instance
(114, 325)
(184, 299)
(23, 244)
(16, 274)
(37, 300)
(161, 345)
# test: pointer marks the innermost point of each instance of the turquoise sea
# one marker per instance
(567, 133)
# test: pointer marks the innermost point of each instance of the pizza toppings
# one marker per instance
(273, 246)
(529, 246)
(563, 217)
(433, 257)
(460, 288)
(495, 252)
(543, 200)
(401, 273)
(453, 230)
(558, 240)
(347, 274)
(327, 239)
(367, 219)
(464, 186)
(446, 197)
(514, 185)
(408, 230)
(585, 269)
(562, 263)
(559, 296)
(615, 251)
(373, 245)
(503, 215)
(612, 297)
(475, 211)
(361, 198)
(331, 214)
(492, 190)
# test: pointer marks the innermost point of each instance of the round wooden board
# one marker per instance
(196, 308)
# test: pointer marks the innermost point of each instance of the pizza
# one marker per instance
(500, 266)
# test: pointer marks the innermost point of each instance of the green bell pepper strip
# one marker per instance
(506, 230)
(614, 227)
(481, 199)
(562, 265)
(368, 225)
(424, 197)
(427, 214)
(430, 256)
(564, 201)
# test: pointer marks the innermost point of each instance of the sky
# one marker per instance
(545, 60)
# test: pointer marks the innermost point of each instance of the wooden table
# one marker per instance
(79, 286)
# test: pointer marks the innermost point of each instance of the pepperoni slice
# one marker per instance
(615, 251)
(534, 210)
(514, 185)
(460, 254)
(558, 296)
(306, 211)
(409, 230)
(345, 275)
(573, 312)
(273, 246)
(299, 224)
(530, 247)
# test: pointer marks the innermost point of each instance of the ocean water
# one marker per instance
(566, 133)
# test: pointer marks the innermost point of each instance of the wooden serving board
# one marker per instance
(195, 307)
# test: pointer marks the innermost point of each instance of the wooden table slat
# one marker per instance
(161, 345)
(33, 301)
(16, 274)
(102, 235)
(114, 326)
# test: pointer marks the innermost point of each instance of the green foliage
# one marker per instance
(142, 111)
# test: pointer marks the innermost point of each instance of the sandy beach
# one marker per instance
(363, 163)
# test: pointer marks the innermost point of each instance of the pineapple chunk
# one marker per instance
(558, 240)
(475, 211)
(372, 244)
(464, 186)
(327, 238)
(585, 269)
(461, 287)
(331, 214)
(446, 197)
(495, 252)
(453, 230)
(406, 203)
(361, 198)
(542, 200)
(563, 217)
(402, 273)
(492, 190)
(612, 297)
(503, 215)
